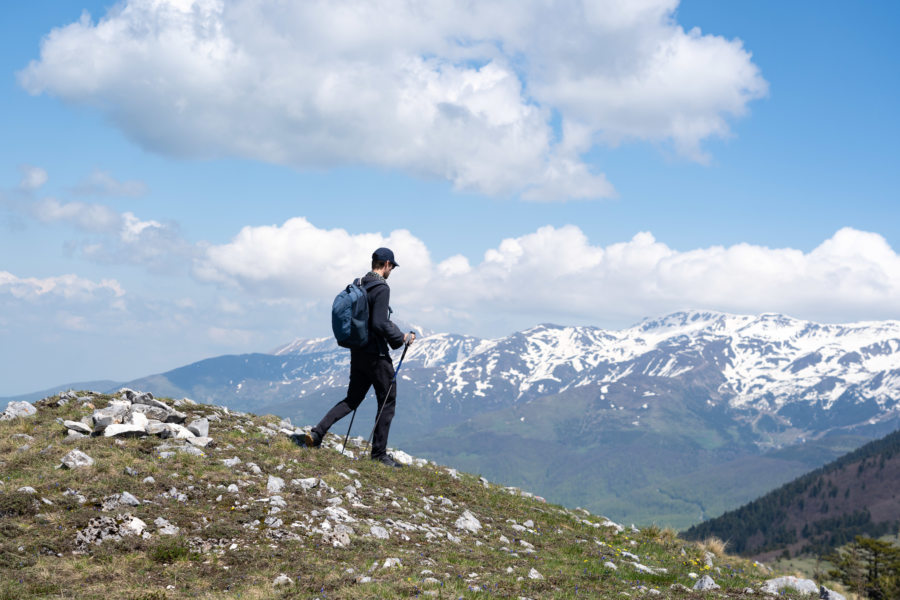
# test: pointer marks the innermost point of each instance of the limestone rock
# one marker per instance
(534, 574)
(282, 581)
(76, 459)
(774, 586)
(379, 532)
(78, 426)
(164, 527)
(201, 442)
(826, 594)
(17, 410)
(274, 485)
(199, 427)
(468, 522)
(125, 430)
(706, 583)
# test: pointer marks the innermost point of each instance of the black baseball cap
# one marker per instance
(385, 254)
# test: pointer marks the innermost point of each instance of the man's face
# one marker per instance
(389, 266)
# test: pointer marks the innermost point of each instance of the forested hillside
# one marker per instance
(854, 495)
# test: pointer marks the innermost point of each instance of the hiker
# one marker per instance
(370, 364)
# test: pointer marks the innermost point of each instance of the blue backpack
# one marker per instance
(350, 316)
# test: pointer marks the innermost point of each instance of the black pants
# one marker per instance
(367, 370)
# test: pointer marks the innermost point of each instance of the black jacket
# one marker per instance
(382, 332)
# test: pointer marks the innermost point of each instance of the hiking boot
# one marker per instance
(387, 459)
(312, 439)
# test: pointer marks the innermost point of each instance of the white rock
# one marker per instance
(199, 427)
(706, 583)
(27, 489)
(282, 580)
(274, 485)
(402, 457)
(774, 586)
(391, 563)
(231, 462)
(124, 430)
(534, 574)
(15, 410)
(78, 426)
(379, 532)
(164, 527)
(200, 442)
(134, 525)
(826, 594)
(128, 499)
(611, 565)
(139, 419)
(469, 522)
(76, 459)
(306, 484)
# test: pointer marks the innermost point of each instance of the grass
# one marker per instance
(226, 549)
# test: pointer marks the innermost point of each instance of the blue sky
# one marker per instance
(181, 179)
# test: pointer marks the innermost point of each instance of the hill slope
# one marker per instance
(856, 494)
(244, 512)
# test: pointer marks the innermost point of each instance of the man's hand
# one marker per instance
(409, 338)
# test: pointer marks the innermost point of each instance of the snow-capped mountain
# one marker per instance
(759, 363)
(671, 420)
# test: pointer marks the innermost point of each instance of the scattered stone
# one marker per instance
(282, 581)
(27, 489)
(774, 586)
(200, 427)
(164, 527)
(274, 485)
(706, 583)
(306, 484)
(231, 462)
(534, 574)
(826, 594)
(76, 459)
(201, 442)
(17, 410)
(125, 430)
(78, 426)
(379, 532)
(468, 522)
(611, 565)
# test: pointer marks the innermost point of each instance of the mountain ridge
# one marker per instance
(719, 390)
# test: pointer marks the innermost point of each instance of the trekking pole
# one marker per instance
(347, 437)
(390, 389)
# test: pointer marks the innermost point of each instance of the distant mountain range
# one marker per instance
(856, 494)
(673, 420)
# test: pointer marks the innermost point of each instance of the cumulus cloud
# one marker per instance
(499, 97)
(102, 183)
(557, 275)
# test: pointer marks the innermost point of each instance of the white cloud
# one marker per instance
(117, 237)
(459, 90)
(102, 183)
(32, 178)
(67, 287)
(557, 275)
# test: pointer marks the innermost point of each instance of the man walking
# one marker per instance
(371, 364)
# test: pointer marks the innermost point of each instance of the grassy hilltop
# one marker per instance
(285, 521)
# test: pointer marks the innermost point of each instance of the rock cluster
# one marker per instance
(136, 414)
